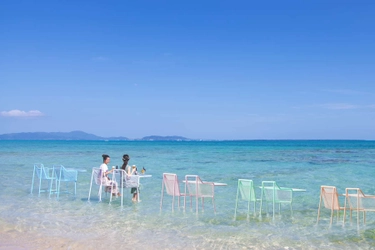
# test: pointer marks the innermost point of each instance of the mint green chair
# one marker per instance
(272, 193)
(246, 192)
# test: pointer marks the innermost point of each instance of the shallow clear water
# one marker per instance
(31, 222)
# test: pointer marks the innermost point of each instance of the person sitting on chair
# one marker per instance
(111, 186)
(130, 171)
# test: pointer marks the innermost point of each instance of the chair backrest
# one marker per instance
(171, 184)
(124, 180)
(43, 172)
(196, 187)
(246, 189)
(330, 197)
(358, 200)
(272, 192)
(63, 174)
(98, 176)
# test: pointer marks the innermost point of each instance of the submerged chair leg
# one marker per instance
(32, 182)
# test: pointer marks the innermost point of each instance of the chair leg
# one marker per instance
(320, 202)
(32, 182)
(173, 204)
(364, 217)
(254, 208)
(261, 203)
(40, 184)
(50, 188)
(100, 191)
(331, 216)
(213, 203)
(235, 207)
(291, 209)
(248, 209)
(162, 195)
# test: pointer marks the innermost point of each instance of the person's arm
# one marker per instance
(109, 171)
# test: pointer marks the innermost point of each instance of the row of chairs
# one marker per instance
(194, 187)
(355, 200)
(54, 175)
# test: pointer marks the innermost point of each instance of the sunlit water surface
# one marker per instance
(31, 222)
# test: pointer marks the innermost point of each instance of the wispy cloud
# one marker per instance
(20, 113)
(338, 106)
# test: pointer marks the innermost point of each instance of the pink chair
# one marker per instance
(330, 199)
(171, 185)
(195, 187)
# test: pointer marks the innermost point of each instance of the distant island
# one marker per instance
(80, 135)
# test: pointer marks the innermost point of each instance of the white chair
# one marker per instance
(42, 173)
(97, 177)
(125, 181)
(195, 187)
(272, 193)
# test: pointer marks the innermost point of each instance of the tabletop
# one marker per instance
(215, 183)
(144, 175)
(293, 189)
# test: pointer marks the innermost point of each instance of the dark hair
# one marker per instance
(125, 157)
(105, 157)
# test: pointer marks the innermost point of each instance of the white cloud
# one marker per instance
(20, 113)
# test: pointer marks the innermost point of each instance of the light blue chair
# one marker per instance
(64, 175)
(272, 193)
(42, 173)
(246, 192)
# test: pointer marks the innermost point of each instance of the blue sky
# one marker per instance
(199, 69)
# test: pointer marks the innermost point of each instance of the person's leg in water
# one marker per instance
(134, 191)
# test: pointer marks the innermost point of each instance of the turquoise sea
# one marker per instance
(31, 222)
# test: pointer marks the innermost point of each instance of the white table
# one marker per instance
(205, 182)
(142, 176)
(78, 170)
(293, 189)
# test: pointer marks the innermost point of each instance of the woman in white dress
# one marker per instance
(111, 186)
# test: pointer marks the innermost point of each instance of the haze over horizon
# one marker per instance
(202, 70)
